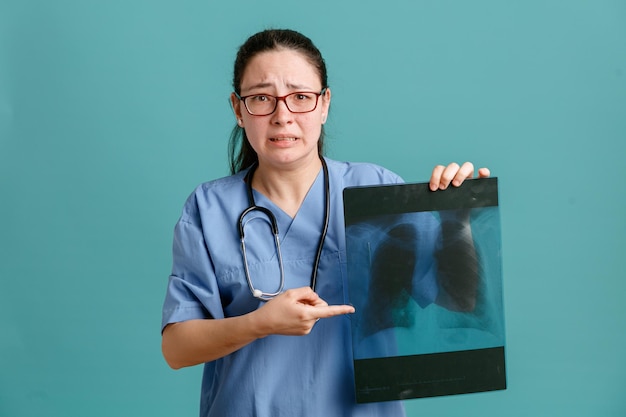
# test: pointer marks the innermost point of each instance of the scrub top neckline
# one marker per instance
(309, 215)
(259, 197)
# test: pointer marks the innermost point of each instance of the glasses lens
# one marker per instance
(260, 105)
(301, 102)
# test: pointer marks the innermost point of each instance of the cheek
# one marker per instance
(253, 133)
(253, 125)
(313, 131)
(313, 126)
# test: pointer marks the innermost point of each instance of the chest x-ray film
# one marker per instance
(425, 277)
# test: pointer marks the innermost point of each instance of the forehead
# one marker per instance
(281, 68)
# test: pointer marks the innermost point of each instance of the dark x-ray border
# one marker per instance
(404, 198)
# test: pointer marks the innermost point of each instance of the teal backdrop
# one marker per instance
(111, 112)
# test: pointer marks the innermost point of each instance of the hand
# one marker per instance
(454, 174)
(295, 312)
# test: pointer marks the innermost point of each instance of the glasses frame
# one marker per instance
(283, 99)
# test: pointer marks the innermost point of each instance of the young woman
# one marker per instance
(269, 318)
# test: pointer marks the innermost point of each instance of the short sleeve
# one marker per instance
(192, 291)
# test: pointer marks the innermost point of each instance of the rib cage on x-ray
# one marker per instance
(393, 272)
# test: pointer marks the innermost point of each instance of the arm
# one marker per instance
(292, 313)
(197, 341)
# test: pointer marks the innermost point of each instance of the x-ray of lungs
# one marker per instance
(425, 277)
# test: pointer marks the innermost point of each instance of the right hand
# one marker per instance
(295, 312)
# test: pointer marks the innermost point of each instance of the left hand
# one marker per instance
(443, 176)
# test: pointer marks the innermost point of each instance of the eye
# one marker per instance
(259, 98)
(302, 96)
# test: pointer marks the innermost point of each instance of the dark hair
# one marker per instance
(240, 153)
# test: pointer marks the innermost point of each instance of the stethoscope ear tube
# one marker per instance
(325, 226)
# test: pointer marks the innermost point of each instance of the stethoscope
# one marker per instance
(257, 293)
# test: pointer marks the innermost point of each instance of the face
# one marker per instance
(282, 139)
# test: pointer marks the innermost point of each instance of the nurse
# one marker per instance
(272, 355)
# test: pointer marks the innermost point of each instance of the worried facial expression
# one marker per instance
(282, 138)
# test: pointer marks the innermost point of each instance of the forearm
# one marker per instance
(293, 312)
(198, 341)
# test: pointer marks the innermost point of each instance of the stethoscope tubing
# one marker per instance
(265, 296)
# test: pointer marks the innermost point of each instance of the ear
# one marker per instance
(236, 105)
(325, 105)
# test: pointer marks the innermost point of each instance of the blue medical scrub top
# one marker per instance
(275, 376)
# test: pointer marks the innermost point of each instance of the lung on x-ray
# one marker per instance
(425, 278)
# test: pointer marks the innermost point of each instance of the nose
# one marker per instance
(282, 114)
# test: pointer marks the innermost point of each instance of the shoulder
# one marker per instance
(222, 193)
(218, 186)
(362, 173)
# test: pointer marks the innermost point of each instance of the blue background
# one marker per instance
(112, 111)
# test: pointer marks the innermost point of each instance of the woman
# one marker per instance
(272, 327)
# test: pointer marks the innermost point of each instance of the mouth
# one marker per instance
(283, 139)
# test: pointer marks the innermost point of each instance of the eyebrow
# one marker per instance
(296, 87)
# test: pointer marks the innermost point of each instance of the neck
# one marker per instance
(286, 188)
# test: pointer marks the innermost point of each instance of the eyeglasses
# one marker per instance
(265, 104)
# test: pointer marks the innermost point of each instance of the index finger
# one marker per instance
(323, 312)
